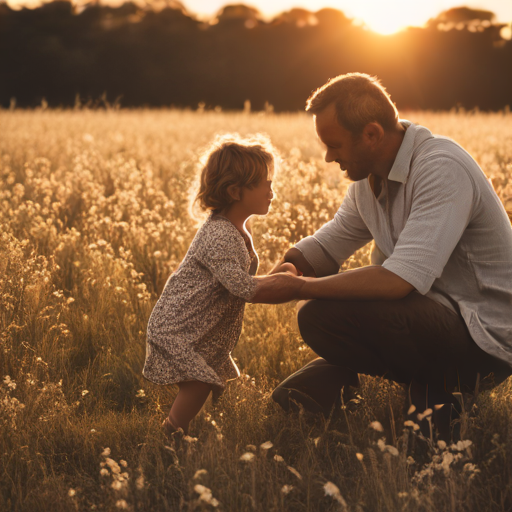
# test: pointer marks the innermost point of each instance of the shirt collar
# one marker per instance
(414, 136)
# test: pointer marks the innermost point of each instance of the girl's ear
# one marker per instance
(234, 192)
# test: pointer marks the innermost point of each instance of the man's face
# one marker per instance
(351, 153)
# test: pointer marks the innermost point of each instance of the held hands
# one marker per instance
(278, 288)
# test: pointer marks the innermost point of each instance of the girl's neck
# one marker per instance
(237, 217)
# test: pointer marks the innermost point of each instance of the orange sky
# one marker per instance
(384, 17)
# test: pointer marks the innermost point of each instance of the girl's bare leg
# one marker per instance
(189, 401)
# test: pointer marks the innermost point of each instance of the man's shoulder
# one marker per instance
(441, 151)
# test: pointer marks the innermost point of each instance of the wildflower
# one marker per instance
(448, 458)
(121, 504)
(199, 473)
(220, 437)
(438, 406)
(250, 448)
(377, 426)
(295, 472)
(117, 485)
(461, 445)
(71, 493)
(247, 457)
(104, 472)
(424, 414)
(441, 444)
(123, 463)
(190, 439)
(205, 495)
(360, 457)
(93, 430)
(410, 423)
(10, 383)
(316, 441)
(411, 409)
(386, 447)
(403, 494)
(105, 452)
(331, 489)
(286, 489)
(70, 300)
(278, 458)
(85, 392)
(266, 446)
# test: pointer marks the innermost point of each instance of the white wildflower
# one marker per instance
(377, 426)
(247, 457)
(266, 446)
(331, 489)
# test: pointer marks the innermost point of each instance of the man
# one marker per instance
(434, 310)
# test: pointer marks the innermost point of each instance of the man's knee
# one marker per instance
(308, 317)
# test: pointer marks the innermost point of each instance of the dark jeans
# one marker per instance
(414, 340)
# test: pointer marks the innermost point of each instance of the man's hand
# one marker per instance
(294, 257)
(285, 267)
(277, 288)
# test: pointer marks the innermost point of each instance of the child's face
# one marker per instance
(256, 200)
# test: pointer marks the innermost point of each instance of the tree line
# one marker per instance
(60, 55)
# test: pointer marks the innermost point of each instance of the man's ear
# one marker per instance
(373, 133)
(234, 192)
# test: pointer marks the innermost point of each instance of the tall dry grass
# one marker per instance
(93, 219)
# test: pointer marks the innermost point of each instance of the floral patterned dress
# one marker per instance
(197, 321)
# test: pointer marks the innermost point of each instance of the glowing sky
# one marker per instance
(381, 16)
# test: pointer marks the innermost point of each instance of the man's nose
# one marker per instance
(329, 157)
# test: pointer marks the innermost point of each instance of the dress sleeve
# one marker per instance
(222, 253)
(337, 240)
(442, 206)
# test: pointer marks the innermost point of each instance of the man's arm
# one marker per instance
(366, 283)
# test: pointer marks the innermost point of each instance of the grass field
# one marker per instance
(93, 219)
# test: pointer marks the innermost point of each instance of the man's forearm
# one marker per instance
(365, 283)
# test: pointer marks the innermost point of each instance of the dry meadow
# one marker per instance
(93, 219)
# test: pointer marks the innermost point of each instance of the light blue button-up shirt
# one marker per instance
(439, 225)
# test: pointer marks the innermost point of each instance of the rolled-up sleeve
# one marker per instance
(337, 240)
(442, 205)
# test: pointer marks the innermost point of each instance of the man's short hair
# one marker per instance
(359, 99)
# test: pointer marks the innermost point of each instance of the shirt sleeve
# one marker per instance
(337, 240)
(222, 254)
(442, 204)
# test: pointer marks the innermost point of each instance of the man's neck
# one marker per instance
(388, 151)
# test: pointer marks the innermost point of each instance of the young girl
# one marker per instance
(197, 321)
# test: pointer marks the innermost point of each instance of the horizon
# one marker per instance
(382, 18)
